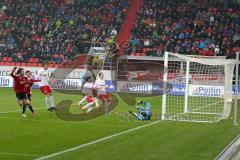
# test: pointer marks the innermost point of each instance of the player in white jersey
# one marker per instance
(44, 84)
(101, 91)
(87, 90)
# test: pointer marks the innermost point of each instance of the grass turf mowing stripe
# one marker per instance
(95, 141)
(61, 122)
(18, 154)
(19, 110)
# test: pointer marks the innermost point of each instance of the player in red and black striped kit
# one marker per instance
(19, 89)
(28, 87)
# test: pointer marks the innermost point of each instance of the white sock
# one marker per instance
(51, 101)
(96, 101)
(89, 109)
(84, 98)
(47, 102)
(89, 104)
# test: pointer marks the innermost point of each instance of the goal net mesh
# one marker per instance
(196, 88)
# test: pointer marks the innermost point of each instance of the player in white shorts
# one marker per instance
(87, 90)
(44, 84)
(101, 91)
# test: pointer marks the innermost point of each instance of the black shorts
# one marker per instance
(146, 116)
(21, 95)
(29, 97)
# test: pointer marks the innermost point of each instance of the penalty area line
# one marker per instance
(95, 141)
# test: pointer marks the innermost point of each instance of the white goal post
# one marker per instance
(197, 89)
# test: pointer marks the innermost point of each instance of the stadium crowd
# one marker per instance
(205, 27)
(56, 30)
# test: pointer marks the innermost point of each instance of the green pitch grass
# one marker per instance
(34, 137)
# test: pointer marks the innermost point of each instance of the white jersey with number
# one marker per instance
(43, 76)
(101, 86)
(87, 88)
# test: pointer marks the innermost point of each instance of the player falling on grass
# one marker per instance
(101, 92)
(19, 89)
(28, 87)
(89, 92)
(44, 84)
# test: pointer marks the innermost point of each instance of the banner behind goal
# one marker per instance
(196, 88)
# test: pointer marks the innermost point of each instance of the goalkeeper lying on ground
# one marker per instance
(144, 113)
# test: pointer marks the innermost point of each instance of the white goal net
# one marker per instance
(197, 89)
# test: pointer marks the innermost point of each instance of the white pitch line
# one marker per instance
(18, 154)
(94, 142)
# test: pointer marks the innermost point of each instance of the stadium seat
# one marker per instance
(30, 60)
(51, 65)
(9, 63)
(56, 66)
(17, 64)
(39, 64)
(23, 64)
(132, 54)
(9, 59)
(36, 60)
(5, 59)
(137, 54)
(32, 64)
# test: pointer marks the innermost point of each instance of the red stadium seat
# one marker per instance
(39, 64)
(133, 54)
(51, 65)
(17, 64)
(36, 60)
(32, 64)
(9, 59)
(56, 66)
(9, 63)
(5, 59)
(137, 54)
(30, 60)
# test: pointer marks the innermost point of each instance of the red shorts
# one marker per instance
(104, 97)
(90, 99)
(46, 89)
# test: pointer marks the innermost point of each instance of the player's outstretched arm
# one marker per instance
(35, 80)
(13, 72)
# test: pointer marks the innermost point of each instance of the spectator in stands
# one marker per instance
(186, 27)
(57, 30)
